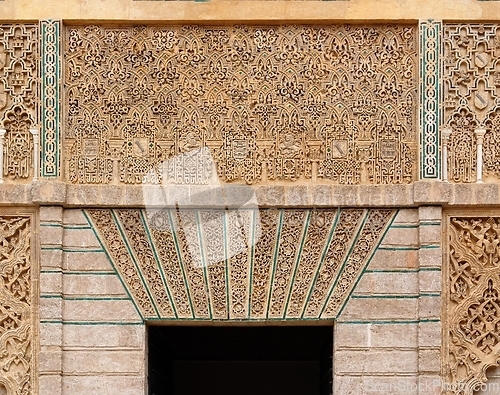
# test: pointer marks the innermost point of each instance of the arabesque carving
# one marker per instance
(19, 102)
(273, 103)
(472, 338)
(17, 351)
(300, 267)
(471, 98)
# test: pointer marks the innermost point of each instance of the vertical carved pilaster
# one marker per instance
(430, 70)
(2, 142)
(50, 72)
(36, 153)
(479, 140)
(446, 133)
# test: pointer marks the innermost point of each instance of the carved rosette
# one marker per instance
(472, 337)
(17, 330)
(232, 265)
(272, 103)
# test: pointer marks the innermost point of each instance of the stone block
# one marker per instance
(111, 195)
(86, 261)
(429, 361)
(81, 195)
(48, 192)
(430, 234)
(105, 336)
(430, 307)
(51, 258)
(388, 283)
(50, 361)
(390, 385)
(430, 281)
(85, 238)
(407, 216)
(51, 214)
(429, 334)
(51, 308)
(93, 285)
(379, 361)
(51, 283)
(461, 194)
(371, 195)
(348, 385)
(398, 195)
(394, 259)
(486, 194)
(402, 336)
(430, 385)
(430, 257)
(133, 196)
(50, 334)
(269, 196)
(401, 237)
(321, 195)
(296, 195)
(130, 362)
(93, 384)
(345, 195)
(74, 217)
(380, 309)
(351, 335)
(50, 384)
(430, 213)
(431, 192)
(100, 310)
(51, 236)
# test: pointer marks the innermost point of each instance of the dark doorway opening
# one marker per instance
(243, 360)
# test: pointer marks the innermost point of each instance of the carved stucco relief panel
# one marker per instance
(472, 302)
(18, 298)
(272, 103)
(19, 103)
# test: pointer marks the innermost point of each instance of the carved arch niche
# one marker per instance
(17, 141)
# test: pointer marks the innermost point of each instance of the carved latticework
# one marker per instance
(240, 265)
(471, 97)
(17, 350)
(472, 336)
(284, 103)
(18, 96)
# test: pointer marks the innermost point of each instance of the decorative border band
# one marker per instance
(430, 71)
(50, 72)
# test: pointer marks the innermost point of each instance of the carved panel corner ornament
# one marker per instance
(18, 294)
(472, 334)
(288, 264)
(272, 103)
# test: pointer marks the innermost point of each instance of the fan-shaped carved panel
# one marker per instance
(240, 264)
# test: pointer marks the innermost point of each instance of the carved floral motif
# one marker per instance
(472, 339)
(16, 300)
(283, 103)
